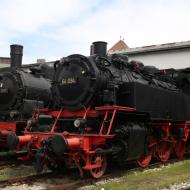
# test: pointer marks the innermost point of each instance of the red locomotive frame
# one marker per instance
(87, 148)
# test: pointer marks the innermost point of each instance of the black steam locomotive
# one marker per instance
(22, 89)
(109, 108)
(113, 80)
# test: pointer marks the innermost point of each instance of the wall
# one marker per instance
(4, 62)
(179, 58)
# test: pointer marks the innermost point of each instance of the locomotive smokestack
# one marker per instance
(16, 55)
(99, 48)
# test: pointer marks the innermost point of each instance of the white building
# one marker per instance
(5, 62)
(171, 55)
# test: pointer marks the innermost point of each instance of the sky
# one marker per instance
(52, 29)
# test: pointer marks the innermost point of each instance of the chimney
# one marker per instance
(16, 55)
(99, 48)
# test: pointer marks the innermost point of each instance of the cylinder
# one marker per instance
(99, 48)
(4, 133)
(24, 139)
(74, 142)
(16, 55)
(13, 140)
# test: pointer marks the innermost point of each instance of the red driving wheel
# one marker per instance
(164, 151)
(144, 160)
(180, 149)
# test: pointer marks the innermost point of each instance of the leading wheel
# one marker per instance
(101, 162)
(164, 151)
(180, 149)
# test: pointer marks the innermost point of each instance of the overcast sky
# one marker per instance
(52, 29)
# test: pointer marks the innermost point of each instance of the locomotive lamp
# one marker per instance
(31, 122)
(79, 122)
(13, 114)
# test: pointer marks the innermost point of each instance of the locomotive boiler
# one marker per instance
(108, 108)
(21, 91)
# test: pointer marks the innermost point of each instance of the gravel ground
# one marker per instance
(42, 184)
(179, 186)
(25, 187)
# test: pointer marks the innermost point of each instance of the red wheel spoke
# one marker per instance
(164, 151)
(180, 149)
(144, 160)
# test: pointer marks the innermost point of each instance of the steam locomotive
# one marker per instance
(108, 108)
(21, 91)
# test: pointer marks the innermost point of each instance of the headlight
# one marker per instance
(29, 122)
(79, 122)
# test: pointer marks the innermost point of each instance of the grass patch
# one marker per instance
(149, 179)
(16, 171)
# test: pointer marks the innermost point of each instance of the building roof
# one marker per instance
(5, 60)
(155, 48)
(119, 46)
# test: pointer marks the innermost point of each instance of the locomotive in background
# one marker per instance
(21, 91)
(108, 108)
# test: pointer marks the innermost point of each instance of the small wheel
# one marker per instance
(56, 165)
(52, 166)
(164, 151)
(180, 149)
(144, 160)
(100, 160)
